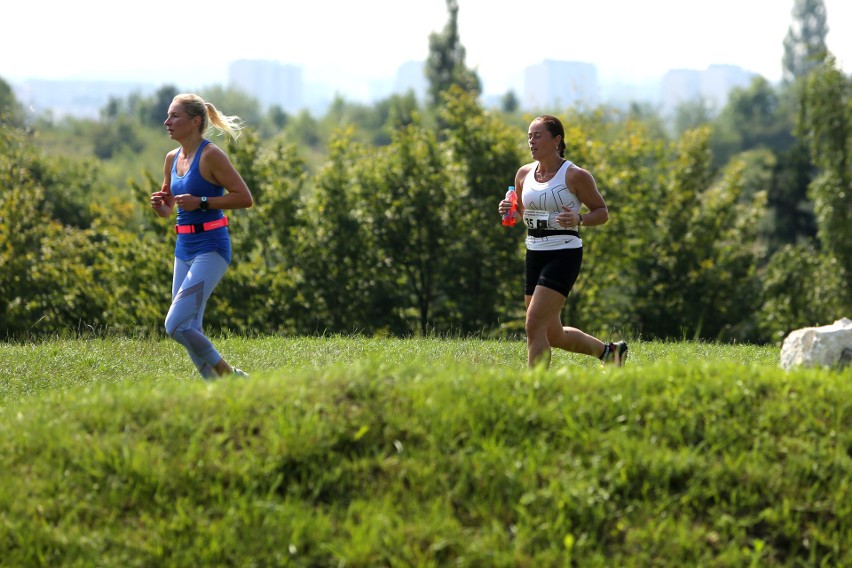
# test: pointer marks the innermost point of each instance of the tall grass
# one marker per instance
(420, 452)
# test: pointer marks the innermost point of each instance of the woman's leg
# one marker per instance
(543, 307)
(544, 329)
(193, 283)
(573, 339)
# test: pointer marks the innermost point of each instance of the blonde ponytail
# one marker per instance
(210, 115)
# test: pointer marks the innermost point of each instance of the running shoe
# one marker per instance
(615, 354)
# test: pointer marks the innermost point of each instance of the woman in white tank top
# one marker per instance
(551, 191)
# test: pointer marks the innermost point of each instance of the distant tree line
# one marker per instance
(382, 219)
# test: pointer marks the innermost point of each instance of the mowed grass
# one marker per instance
(347, 451)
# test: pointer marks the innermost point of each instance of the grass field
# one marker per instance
(346, 451)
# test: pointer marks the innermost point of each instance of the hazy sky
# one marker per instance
(191, 43)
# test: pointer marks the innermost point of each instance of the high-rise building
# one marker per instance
(559, 84)
(270, 82)
(713, 85)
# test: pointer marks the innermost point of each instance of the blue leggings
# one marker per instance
(192, 285)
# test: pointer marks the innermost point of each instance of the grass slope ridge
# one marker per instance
(394, 453)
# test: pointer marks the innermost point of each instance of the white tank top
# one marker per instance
(542, 203)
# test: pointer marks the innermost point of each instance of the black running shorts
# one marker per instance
(554, 269)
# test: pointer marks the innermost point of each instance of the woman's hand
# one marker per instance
(162, 201)
(568, 217)
(187, 201)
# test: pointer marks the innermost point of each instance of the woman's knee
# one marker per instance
(535, 326)
(175, 328)
(171, 331)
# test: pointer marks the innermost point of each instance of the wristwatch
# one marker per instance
(203, 205)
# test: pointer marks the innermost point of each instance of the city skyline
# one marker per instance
(352, 46)
(548, 84)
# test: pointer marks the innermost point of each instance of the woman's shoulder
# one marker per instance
(523, 170)
(171, 156)
(576, 172)
(211, 149)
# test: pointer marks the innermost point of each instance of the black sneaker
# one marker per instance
(615, 354)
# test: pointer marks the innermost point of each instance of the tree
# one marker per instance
(485, 258)
(697, 275)
(630, 172)
(56, 276)
(761, 117)
(804, 44)
(692, 114)
(261, 293)
(445, 65)
(113, 136)
(756, 116)
(408, 186)
(398, 111)
(800, 289)
(351, 288)
(509, 102)
(790, 208)
(827, 125)
(10, 108)
(152, 110)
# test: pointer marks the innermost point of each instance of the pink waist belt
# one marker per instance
(201, 227)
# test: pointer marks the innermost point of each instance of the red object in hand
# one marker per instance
(509, 216)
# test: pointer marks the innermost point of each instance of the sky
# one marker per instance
(190, 44)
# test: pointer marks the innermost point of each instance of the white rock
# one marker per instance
(826, 346)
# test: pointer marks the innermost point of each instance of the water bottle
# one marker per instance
(509, 216)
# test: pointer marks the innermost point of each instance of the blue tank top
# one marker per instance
(190, 245)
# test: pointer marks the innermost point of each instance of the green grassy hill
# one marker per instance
(362, 452)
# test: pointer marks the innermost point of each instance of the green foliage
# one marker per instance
(692, 114)
(50, 253)
(631, 179)
(350, 287)
(509, 102)
(410, 189)
(381, 220)
(259, 290)
(697, 273)
(755, 117)
(11, 111)
(789, 206)
(445, 65)
(482, 270)
(373, 124)
(827, 124)
(399, 111)
(802, 287)
(804, 44)
(152, 111)
(420, 452)
(115, 136)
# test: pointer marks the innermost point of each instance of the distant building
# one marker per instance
(559, 84)
(712, 85)
(270, 82)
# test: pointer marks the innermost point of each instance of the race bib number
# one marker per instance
(536, 219)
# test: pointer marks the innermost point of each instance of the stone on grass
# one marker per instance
(826, 346)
